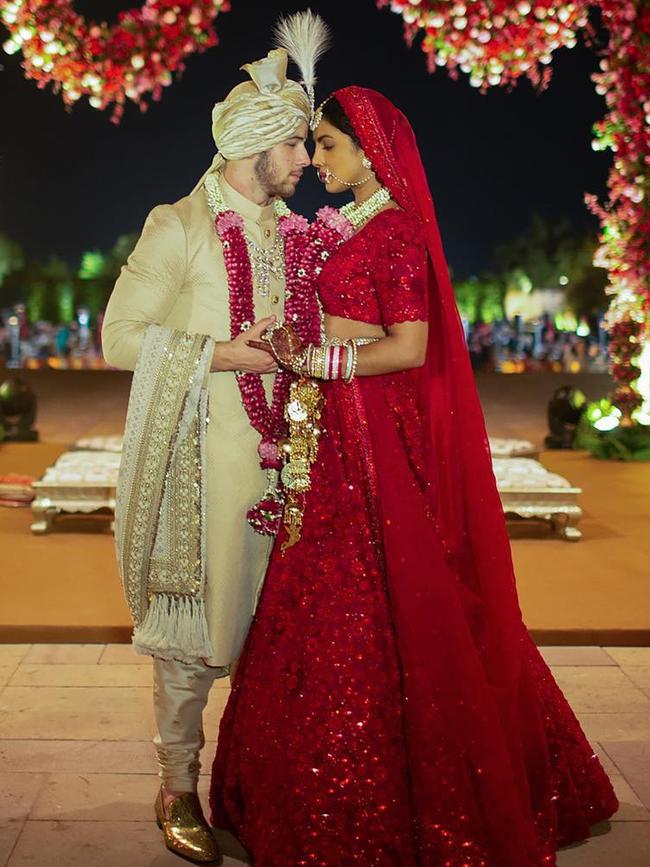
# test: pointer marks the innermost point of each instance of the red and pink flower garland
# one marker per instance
(109, 65)
(624, 81)
(495, 42)
(301, 311)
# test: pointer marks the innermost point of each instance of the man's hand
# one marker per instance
(238, 355)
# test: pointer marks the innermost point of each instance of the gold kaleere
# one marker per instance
(302, 412)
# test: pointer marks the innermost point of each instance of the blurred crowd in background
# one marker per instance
(539, 307)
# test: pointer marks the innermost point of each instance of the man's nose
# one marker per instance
(305, 159)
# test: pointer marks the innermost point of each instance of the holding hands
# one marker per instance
(281, 342)
(246, 353)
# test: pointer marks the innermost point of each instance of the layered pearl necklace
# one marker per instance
(264, 262)
(358, 215)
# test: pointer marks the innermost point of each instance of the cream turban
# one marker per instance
(258, 114)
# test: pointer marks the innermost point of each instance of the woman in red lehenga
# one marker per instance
(389, 707)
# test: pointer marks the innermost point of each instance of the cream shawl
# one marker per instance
(161, 496)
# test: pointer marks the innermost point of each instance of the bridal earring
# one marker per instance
(365, 162)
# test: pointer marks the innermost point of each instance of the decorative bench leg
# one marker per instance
(45, 515)
(564, 525)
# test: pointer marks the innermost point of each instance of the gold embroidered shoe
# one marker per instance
(186, 831)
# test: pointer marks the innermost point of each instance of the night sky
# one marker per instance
(71, 182)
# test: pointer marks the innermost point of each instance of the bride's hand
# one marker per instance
(283, 343)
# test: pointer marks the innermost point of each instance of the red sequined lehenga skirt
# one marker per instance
(330, 751)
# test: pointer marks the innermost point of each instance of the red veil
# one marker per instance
(469, 507)
(462, 644)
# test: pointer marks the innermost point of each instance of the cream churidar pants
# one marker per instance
(180, 695)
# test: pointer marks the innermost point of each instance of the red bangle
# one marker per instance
(336, 362)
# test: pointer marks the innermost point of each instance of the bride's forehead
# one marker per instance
(325, 128)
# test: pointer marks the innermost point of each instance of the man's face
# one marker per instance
(279, 169)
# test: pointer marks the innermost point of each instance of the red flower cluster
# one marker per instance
(109, 65)
(493, 41)
(624, 81)
(625, 373)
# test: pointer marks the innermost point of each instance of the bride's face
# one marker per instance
(337, 159)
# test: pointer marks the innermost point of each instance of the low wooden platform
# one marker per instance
(63, 587)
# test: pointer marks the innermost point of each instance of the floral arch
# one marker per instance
(493, 42)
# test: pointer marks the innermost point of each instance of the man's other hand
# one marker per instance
(238, 355)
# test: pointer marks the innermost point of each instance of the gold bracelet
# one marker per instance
(311, 359)
(319, 364)
(297, 362)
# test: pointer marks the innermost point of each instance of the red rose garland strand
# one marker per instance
(264, 418)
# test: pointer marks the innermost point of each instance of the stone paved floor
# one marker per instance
(77, 777)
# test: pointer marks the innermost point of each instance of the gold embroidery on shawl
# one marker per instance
(153, 464)
(182, 574)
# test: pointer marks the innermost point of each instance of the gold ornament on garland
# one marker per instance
(302, 412)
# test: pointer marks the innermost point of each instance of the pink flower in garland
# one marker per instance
(228, 220)
(292, 223)
(270, 456)
(334, 220)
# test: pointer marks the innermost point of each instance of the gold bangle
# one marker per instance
(320, 363)
(311, 361)
(297, 363)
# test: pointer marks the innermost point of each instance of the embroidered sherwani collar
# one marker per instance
(249, 210)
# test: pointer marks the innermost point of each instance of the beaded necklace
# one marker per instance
(265, 263)
(358, 215)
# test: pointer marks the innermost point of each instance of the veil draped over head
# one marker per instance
(469, 507)
(491, 709)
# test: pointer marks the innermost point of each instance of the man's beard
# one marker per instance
(267, 176)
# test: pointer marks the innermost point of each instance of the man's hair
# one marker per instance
(263, 169)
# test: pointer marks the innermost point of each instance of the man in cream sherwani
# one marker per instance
(176, 278)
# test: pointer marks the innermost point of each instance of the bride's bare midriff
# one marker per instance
(344, 329)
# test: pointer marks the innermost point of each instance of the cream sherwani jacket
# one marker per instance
(176, 277)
